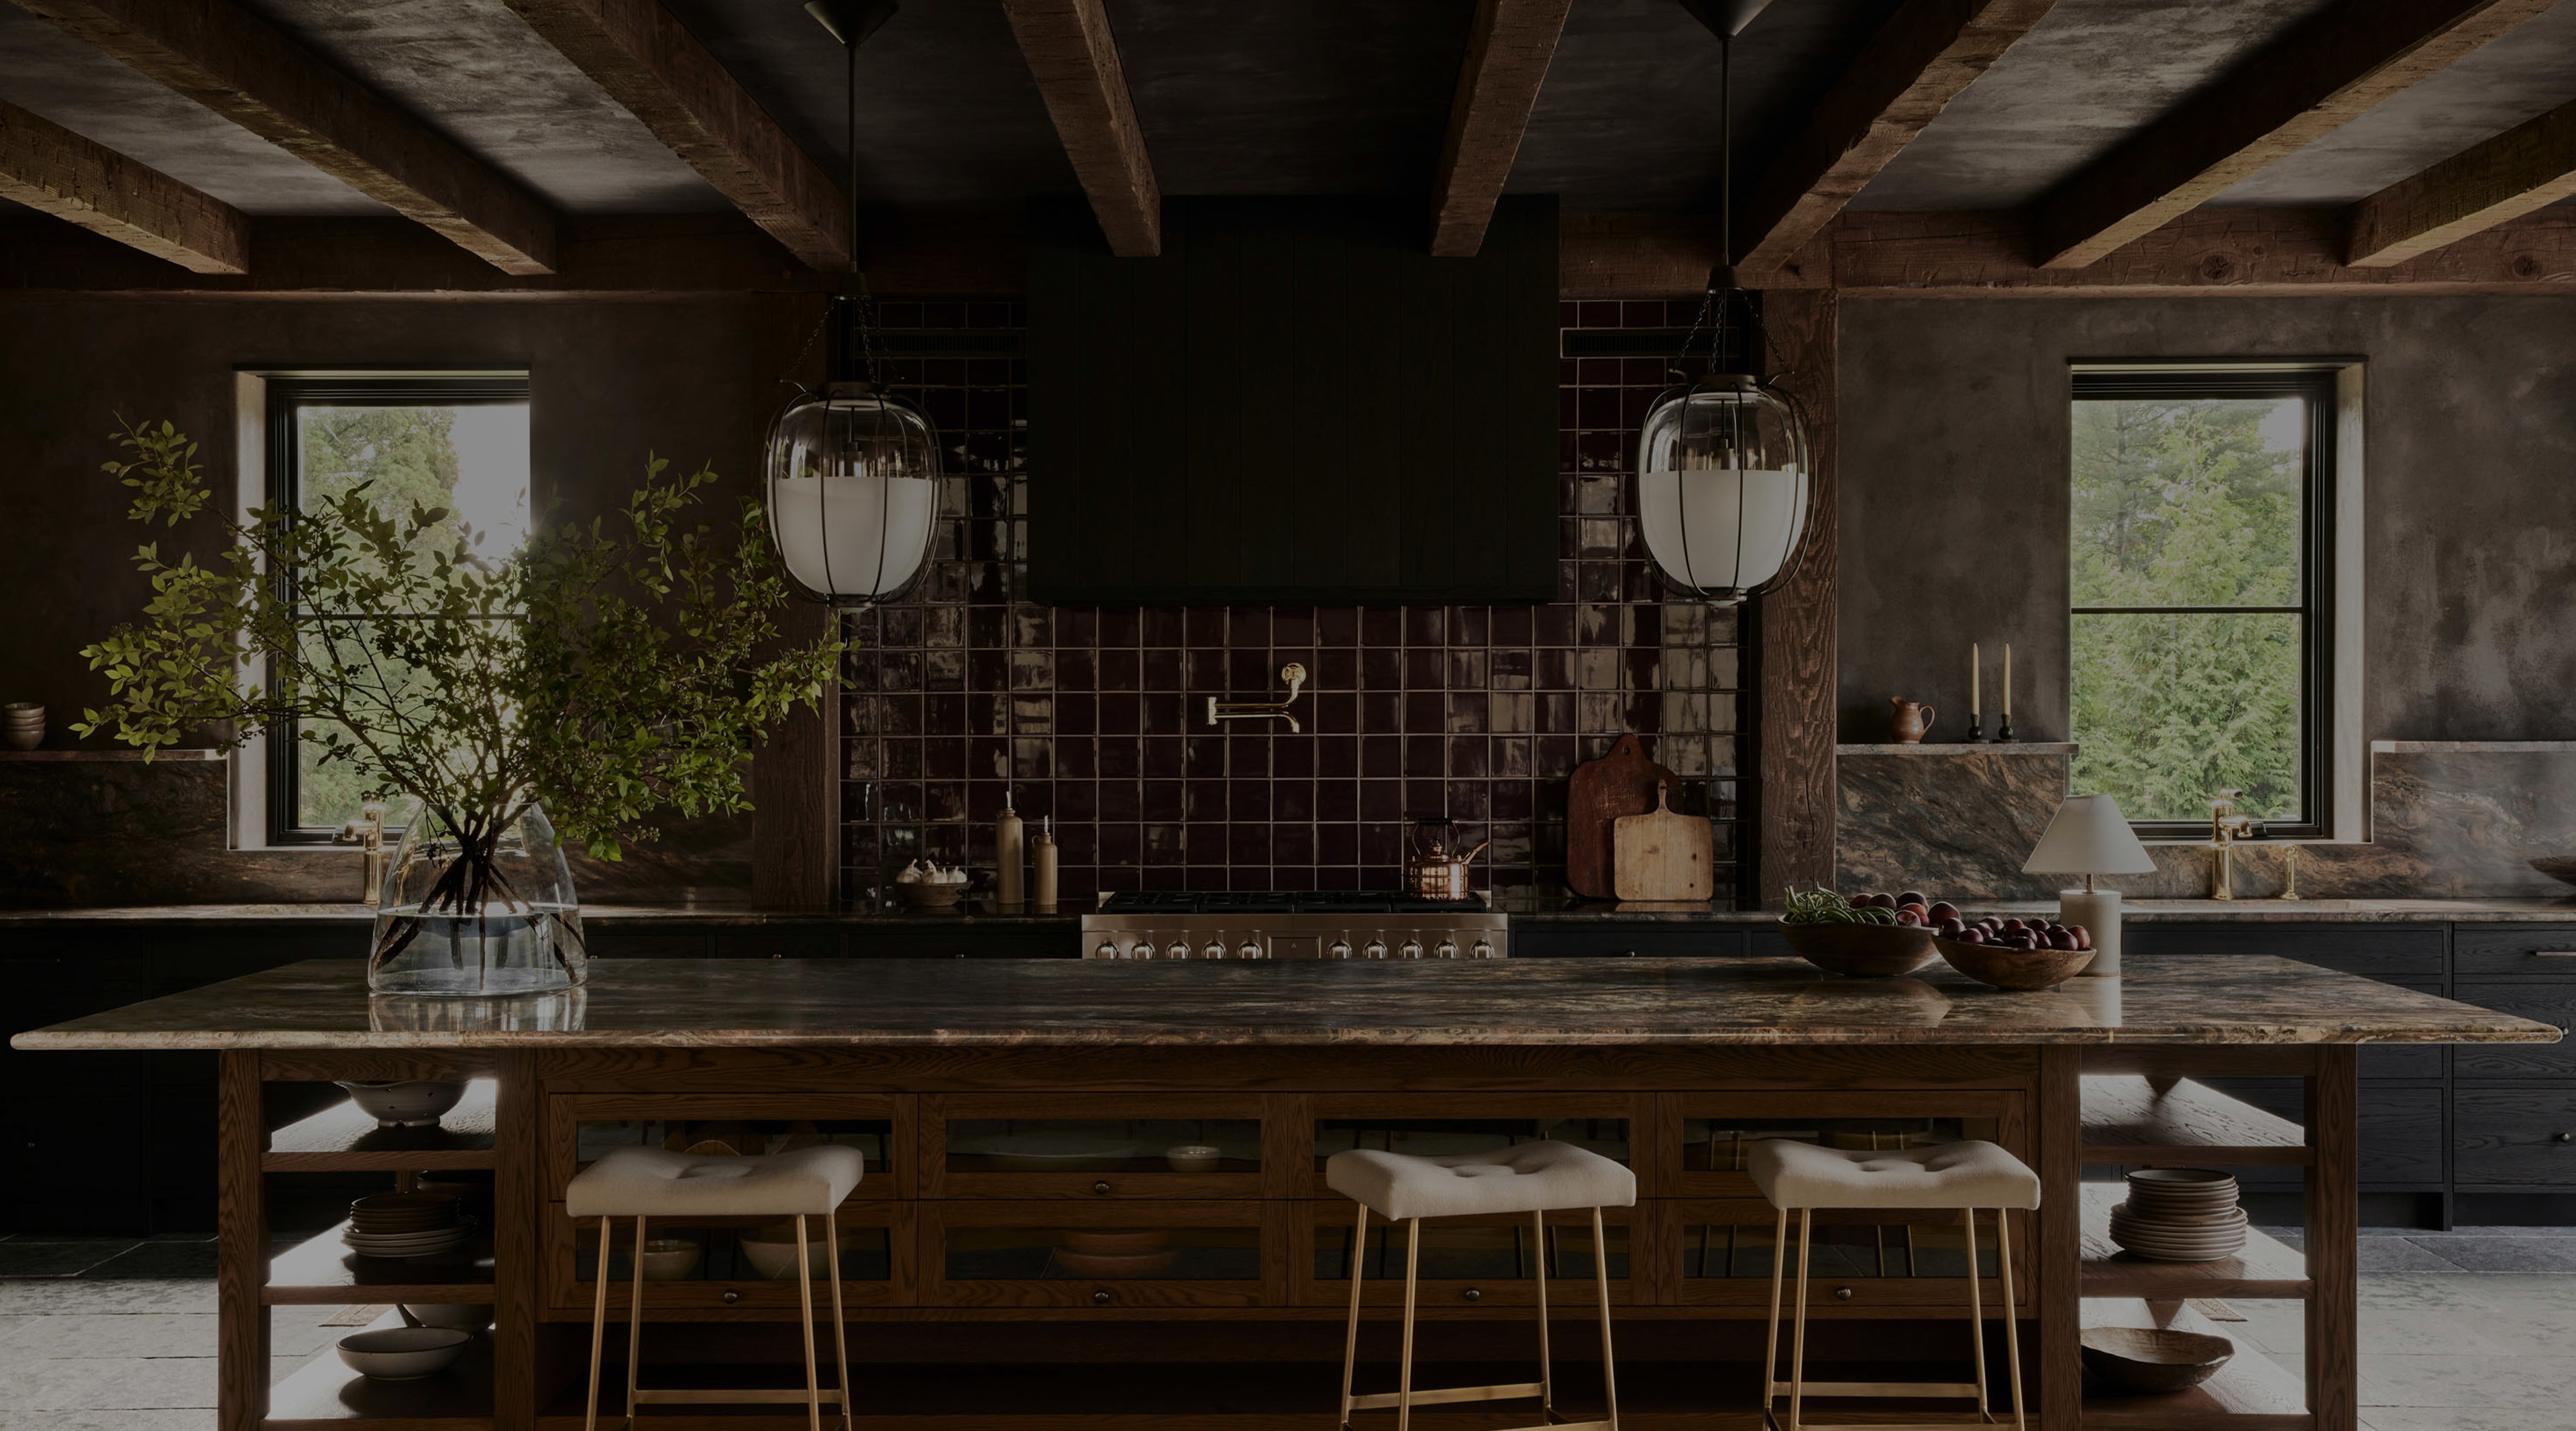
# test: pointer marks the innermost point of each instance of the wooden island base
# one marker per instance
(967, 1307)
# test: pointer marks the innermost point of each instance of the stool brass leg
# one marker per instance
(1351, 1336)
(1976, 1314)
(1404, 1366)
(2012, 1328)
(1798, 1338)
(1546, 1376)
(840, 1323)
(805, 1306)
(1771, 1339)
(635, 1324)
(598, 1330)
(1601, 1285)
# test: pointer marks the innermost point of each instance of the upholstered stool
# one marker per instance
(1802, 1178)
(645, 1183)
(1535, 1178)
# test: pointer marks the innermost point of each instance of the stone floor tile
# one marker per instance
(113, 1334)
(2397, 1254)
(2460, 1418)
(198, 1419)
(107, 1383)
(54, 1296)
(2514, 1383)
(2500, 1254)
(2427, 1290)
(63, 1257)
(194, 1261)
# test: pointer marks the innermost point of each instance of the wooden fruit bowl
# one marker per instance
(2150, 1361)
(2005, 968)
(1866, 951)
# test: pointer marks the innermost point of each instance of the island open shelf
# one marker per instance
(343, 1139)
(322, 1271)
(325, 1395)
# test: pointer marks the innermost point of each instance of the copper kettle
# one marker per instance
(1433, 867)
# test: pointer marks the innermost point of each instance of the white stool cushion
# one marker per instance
(1526, 1177)
(1971, 1174)
(648, 1182)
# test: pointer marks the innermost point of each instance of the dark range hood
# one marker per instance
(1295, 403)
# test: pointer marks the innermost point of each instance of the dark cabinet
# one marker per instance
(2517, 1138)
(1653, 941)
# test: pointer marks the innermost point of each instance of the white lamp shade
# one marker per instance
(853, 492)
(2091, 837)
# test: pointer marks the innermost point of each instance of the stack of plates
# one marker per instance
(2180, 1215)
(406, 1225)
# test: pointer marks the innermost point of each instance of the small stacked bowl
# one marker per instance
(22, 725)
(406, 1225)
(2180, 1215)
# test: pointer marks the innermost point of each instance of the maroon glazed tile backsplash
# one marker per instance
(1097, 716)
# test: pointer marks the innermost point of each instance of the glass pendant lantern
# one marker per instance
(1725, 484)
(853, 492)
(852, 470)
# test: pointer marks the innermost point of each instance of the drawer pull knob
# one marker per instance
(1842, 1294)
(1473, 1295)
(731, 1297)
(1100, 1187)
(2563, 1138)
(1100, 1298)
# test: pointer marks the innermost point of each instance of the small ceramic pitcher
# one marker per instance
(1910, 722)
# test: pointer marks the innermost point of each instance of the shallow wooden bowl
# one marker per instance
(2557, 867)
(922, 894)
(2150, 1361)
(1868, 951)
(1117, 1241)
(2014, 968)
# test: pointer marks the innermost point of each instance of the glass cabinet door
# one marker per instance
(1467, 1261)
(1109, 1255)
(734, 1261)
(1714, 1134)
(1021, 1146)
(582, 1128)
(1856, 1258)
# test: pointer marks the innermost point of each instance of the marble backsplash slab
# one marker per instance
(2449, 819)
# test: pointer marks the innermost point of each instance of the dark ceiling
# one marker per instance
(1282, 96)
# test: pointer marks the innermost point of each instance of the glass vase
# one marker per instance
(464, 918)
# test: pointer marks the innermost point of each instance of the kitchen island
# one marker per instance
(991, 1098)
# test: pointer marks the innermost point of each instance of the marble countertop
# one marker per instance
(1524, 906)
(702, 1003)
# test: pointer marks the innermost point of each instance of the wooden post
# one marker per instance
(795, 826)
(241, 1245)
(2057, 1264)
(2333, 1238)
(516, 1204)
(1794, 738)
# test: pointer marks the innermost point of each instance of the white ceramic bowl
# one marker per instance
(670, 1259)
(403, 1353)
(454, 1316)
(772, 1250)
(406, 1103)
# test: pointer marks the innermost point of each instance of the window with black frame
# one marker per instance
(444, 440)
(2201, 537)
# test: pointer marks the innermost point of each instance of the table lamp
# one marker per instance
(2091, 837)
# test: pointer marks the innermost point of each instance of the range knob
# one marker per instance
(1480, 950)
(1340, 948)
(1215, 949)
(1180, 949)
(1141, 949)
(1412, 949)
(1251, 950)
(1446, 949)
(1376, 949)
(1108, 950)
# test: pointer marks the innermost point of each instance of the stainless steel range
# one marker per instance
(1332, 925)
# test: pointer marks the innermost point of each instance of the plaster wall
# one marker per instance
(1953, 451)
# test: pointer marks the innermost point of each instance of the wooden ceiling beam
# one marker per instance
(649, 62)
(48, 167)
(1918, 62)
(246, 70)
(1074, 58)
(1508, 49)
(2328, 69)
(2525, 168)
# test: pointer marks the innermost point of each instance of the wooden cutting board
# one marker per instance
(1662, 855)
(1600, 791)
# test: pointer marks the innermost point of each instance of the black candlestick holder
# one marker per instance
(2003, 731)
(1976, 731)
